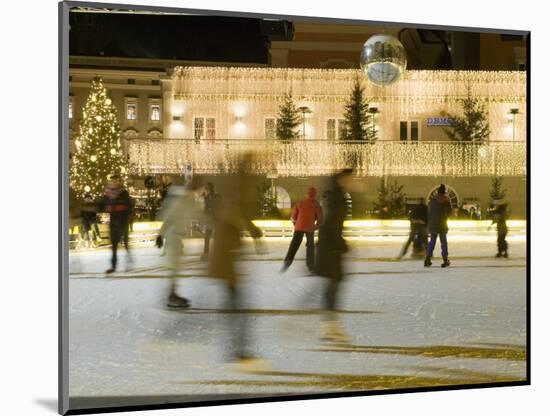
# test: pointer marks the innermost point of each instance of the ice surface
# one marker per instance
(410, 326)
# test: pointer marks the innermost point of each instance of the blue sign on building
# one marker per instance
(439, 121)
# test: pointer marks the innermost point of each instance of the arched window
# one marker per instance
(130, 134)
(349, 203)
(282, 198)
(154, 134)
(453, 196)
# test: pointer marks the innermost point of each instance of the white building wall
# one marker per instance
(240, 99)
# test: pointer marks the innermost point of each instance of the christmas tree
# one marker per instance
(288, 120)
(98, 151)
(356, 117)
(497, 193)
(391, 200)
(266, 202)
(473, 126)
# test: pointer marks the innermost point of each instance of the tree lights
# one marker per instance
(98, 151)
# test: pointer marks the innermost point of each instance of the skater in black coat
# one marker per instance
(116, 202)
(330, 248)
(88, 216)
(439, 211)
(419, 222)
(500, 215)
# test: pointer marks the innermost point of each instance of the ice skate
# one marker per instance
(427, 261)
(446, 262)
(498, 255)
(176, 301)
(285, 267)
(332, 332)
(110, 271)
(505, 255)
(249, 364)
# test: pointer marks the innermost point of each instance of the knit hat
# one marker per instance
(312, 192)
(441, 189)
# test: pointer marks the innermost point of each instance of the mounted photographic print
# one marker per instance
(259, 207)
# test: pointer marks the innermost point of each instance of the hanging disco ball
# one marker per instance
(383, 59)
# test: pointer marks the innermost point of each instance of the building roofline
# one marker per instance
(146, 64)
(341, 74)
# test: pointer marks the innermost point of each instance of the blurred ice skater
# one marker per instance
(211, 198)
(330, 248)
(116, 202)
(88, 218)
(307, 216)
(229, 221)
(180, 209)
(417, 235)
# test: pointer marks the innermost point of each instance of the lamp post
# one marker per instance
(514, 112)
(304, 110)
(373, 111)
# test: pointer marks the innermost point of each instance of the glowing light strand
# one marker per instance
(98, 149)
(317, 158)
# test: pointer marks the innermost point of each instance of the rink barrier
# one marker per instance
(385, 228)
(147, 232)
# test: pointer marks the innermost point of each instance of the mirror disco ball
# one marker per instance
(383, 59)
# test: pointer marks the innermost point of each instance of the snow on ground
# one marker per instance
(410, 326)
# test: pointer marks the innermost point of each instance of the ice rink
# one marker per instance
(410, 326)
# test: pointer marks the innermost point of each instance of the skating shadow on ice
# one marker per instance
(505, 352)
(353, 382)
(267, 311)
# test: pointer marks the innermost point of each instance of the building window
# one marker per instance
(210, 129)
(131, 111)
(402, 130)
(281, 196)
(155, 112)
(131, 81)
(71, 105)
(451, 193)
(334, 128)
(409, 130)
(270, 128)
(414, 131)
(155, 82)
(331, 129)
(204, 128)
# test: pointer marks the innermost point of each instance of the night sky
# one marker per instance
(221, 39)
(202, 38)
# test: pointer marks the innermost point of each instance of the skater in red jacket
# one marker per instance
(307, 216)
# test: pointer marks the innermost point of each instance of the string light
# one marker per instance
(261, 90)
(321, 157)
(98, 153)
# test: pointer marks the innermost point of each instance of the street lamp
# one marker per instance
(373, 111)
(304, 110)
(514, 112)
